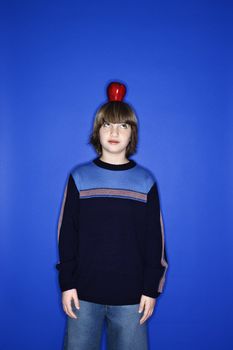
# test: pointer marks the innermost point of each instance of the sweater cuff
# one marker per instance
(64, 287)
(151, 282)
(67, 274)
(151, 294)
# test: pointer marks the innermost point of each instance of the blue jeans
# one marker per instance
(123, 330)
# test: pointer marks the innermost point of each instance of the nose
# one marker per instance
(114, 130)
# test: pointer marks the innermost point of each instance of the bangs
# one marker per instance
(116, 112)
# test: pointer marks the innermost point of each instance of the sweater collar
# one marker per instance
(110, 166)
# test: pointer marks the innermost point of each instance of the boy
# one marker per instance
(110, 235)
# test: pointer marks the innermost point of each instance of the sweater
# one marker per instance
(111, 234)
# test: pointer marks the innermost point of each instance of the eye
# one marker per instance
(125, 125)
(105, 124)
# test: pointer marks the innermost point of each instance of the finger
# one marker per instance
(69, 311)
(141, 305)
(65, 310)
(145, 315)
(76, 303)
(144, 318)
(150, 312)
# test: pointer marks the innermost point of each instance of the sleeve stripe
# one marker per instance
(61, 213)
(163, 261)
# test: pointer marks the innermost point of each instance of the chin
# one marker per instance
(113, 150)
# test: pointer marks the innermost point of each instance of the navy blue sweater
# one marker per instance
(110, 234)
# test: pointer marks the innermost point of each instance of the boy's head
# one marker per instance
(115, 112)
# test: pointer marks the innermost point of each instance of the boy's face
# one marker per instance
(118, 132)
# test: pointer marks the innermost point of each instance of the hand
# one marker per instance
(148, 303)
(67, 297)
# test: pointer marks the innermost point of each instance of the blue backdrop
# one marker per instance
(175, 57)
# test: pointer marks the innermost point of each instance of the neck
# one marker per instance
(114, 158)
(113, 166)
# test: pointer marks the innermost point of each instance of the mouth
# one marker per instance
(113, 142)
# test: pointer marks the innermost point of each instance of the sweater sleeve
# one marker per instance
(67, 236)
(155, 258)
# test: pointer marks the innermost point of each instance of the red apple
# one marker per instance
(116, 91)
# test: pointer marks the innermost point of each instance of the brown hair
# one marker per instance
(115, 112)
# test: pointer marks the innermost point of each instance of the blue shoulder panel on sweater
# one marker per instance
(94, 181)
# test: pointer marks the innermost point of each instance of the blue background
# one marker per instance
(175, 57)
